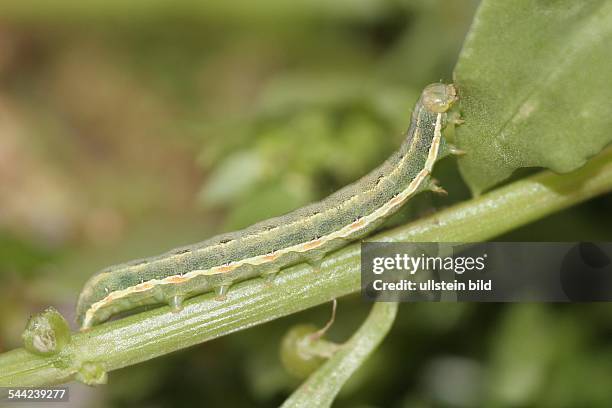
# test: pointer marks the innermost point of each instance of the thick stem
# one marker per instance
(153, 333)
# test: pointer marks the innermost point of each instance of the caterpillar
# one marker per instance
(304, 235)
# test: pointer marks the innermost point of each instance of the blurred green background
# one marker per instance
(128, 128)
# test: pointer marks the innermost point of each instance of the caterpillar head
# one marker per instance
(438, 97)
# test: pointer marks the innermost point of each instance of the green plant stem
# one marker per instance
(321, 388)
(156, 332)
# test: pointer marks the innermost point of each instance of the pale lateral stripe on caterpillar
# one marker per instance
(302, 235)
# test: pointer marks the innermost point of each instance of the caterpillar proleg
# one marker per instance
(305, 234)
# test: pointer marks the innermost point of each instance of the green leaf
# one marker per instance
(238, 172)
(535, 81)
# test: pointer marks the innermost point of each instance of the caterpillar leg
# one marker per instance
(176, 303)
(269, 276)
(455, 151)
(454, 118)
(434, 187)
(315, 261)
(221, 292)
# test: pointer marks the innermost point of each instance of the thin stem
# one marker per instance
(321, 332)
(156, 332)
(321, 388)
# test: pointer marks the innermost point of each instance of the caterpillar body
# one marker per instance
(306, 234)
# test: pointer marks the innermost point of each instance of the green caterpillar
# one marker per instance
(306, 234)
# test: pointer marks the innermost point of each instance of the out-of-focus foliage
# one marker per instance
(127, 128)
